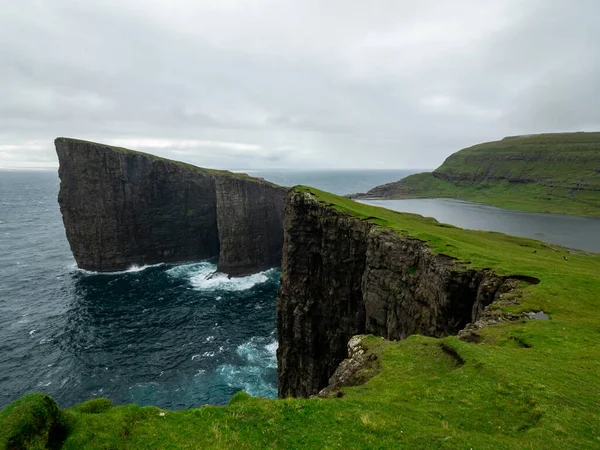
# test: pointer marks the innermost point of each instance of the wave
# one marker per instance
(247, 378)
(256, 352)
(204, 277)
(259, 356)
(132, 269)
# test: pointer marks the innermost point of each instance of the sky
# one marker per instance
(298, 84)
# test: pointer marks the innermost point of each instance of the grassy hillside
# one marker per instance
(527, 384)
(557, 173)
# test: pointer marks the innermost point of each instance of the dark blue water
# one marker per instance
(159, 335)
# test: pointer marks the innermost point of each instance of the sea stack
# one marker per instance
(122, 208)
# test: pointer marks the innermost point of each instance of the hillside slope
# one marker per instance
(556, 173)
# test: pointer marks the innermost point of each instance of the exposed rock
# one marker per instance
(343, 276)
(356, 369)
(122, 207)
(250, 221)
(319, 305)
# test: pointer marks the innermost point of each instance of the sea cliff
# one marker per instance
(122, 208)
(504, 381)
(344, 276)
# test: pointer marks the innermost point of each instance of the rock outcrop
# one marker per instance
(343, 276)
(249, 220)
(122, 207)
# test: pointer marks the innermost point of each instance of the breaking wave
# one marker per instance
(132, 269)
(204, 277)
(257, 369)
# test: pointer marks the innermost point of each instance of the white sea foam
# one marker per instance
(259, 352)
(272, 348)
(132, 269)
(135, 268)
(259, 356)
(204, 281)
(248, 379)
(204, 277)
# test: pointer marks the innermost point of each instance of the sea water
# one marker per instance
(163, 335)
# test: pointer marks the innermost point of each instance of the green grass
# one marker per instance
(528, 384)
(555, 173)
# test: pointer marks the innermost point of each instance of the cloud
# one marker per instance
(293, 84)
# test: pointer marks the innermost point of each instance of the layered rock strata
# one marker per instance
(122, 207)
(343, 276)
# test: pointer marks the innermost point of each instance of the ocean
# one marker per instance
(160, 335)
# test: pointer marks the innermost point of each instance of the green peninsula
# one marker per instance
(554, 173)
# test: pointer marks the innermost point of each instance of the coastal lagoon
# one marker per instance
(580, 233)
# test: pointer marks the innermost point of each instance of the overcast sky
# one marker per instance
(245, 84)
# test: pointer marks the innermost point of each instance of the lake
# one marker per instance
(582, 233)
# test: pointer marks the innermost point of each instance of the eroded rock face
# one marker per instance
(356, 369)
(122, 207)
(319, 305)
(250, 224)
(343, 276)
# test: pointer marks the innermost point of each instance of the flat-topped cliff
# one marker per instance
(556, 173)
(345, 275)
(121, 207)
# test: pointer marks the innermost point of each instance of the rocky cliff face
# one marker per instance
(343, 276)
(122, 207)
(249, 220)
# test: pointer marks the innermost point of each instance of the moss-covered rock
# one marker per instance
(94, 406)
(32, 422)
(240, 397)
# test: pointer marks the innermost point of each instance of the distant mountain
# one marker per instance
(555, 173)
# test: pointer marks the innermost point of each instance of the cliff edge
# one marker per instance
(344, 275)
(122, 208)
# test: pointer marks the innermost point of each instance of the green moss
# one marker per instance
(239, 398)
(528, 384)
(33, 422)
(94, 406)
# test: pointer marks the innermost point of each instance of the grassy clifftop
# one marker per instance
(556, 173)
(125, 151)
(526, 384)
